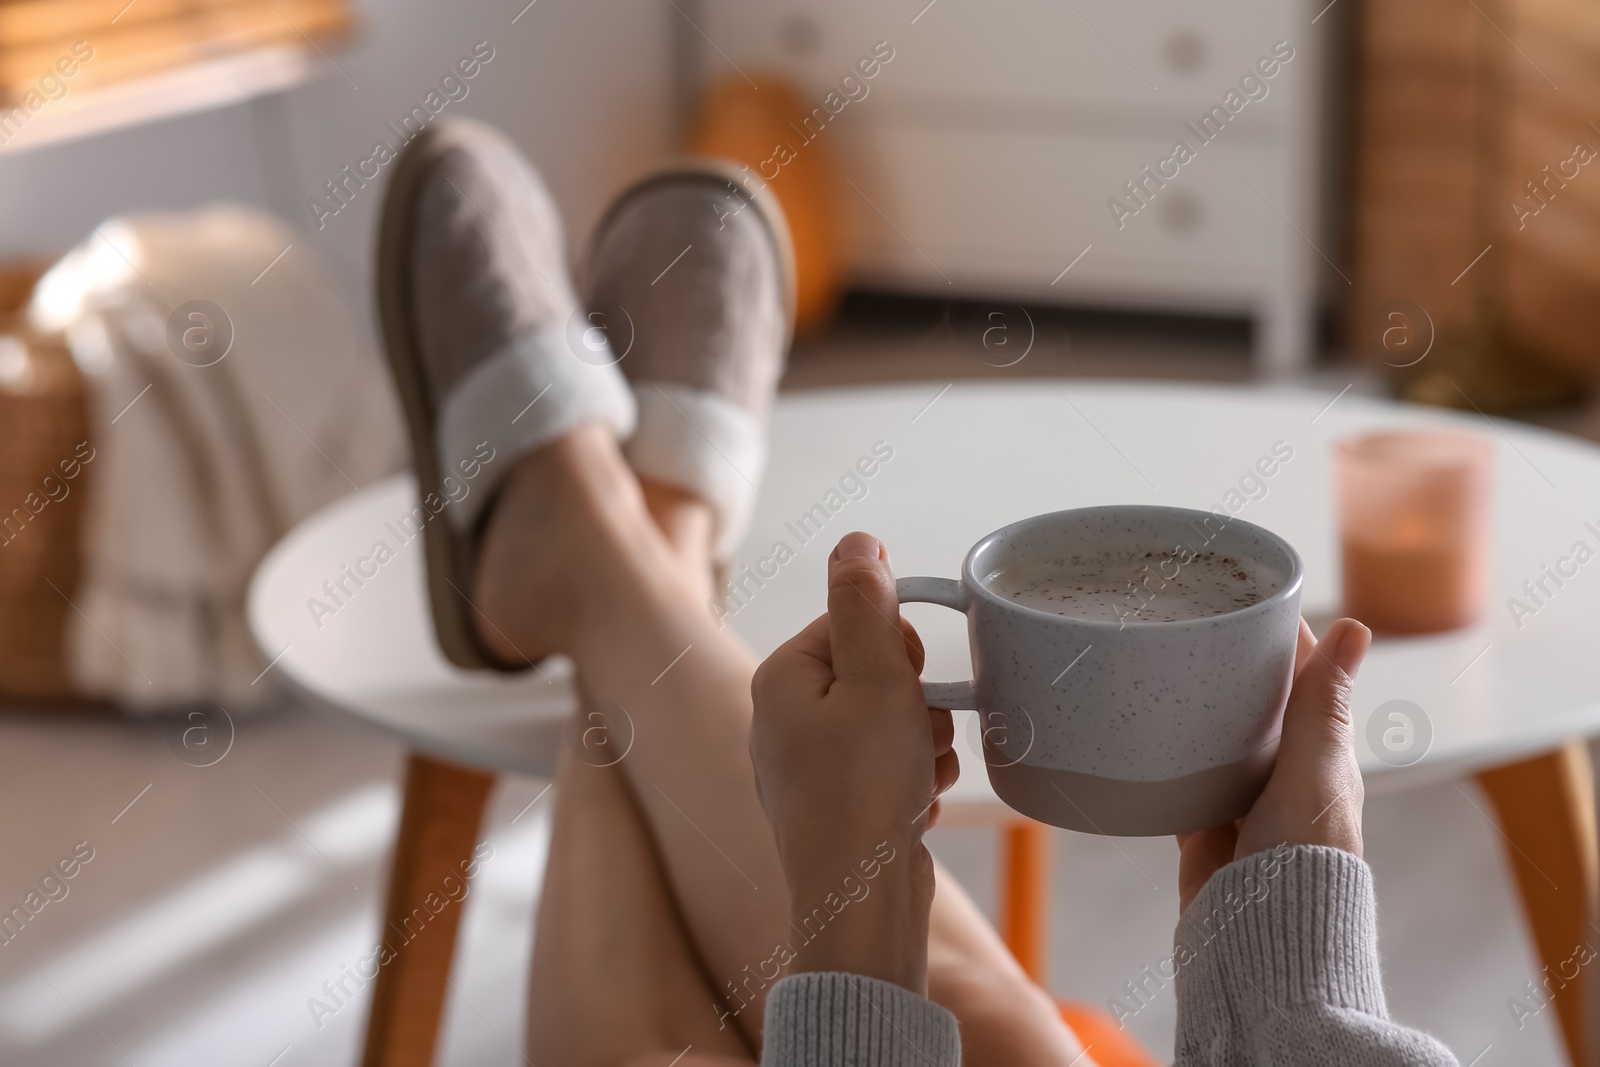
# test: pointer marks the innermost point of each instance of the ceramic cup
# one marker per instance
(1127, 727)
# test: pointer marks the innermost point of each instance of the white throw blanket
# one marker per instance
(199, 469)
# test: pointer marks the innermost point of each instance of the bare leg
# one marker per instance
(573, 562)
(615, 980)
(1005, 1018)
(686, 523)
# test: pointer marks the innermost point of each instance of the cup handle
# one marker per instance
(947, 593)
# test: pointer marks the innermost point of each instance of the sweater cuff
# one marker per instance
(832, 1019)
(1292, 925)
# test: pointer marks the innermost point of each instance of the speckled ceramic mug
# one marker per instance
(1125, 728)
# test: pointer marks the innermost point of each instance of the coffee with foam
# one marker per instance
(1133, 586)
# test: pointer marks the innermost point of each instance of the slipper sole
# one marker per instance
(451, 554)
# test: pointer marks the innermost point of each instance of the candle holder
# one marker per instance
(1414, 528)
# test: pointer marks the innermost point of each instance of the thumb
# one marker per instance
(864, 614)
(1318, 740)
(1315, 794)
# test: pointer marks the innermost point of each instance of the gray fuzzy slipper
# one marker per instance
(478, 322)
(692, 271)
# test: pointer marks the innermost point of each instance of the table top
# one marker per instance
(949, 464)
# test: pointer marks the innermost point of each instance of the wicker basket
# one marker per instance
(43, 425)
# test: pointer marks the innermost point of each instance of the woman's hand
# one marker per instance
(849, 764)
(1315, 793)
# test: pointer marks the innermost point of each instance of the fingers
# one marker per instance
(1200, 855)
(814, 642)
(946, 770)
(801, 663)
(944, 730)
(868, 645)
(1315, 794)
(914, 647)
(1304, 646)
(1318, 713)
(1316, 766)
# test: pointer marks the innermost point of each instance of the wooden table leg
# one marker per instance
(1546, 808)
(438, 828)
(1025, 896)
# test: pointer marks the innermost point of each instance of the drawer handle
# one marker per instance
(1180, 211)
(800, 35)
(1185, 51)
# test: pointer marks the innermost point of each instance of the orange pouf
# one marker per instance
(1104, 1042)
(765, 130)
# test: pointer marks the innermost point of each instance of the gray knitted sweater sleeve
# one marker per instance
(831, 1019)
(1276, 963)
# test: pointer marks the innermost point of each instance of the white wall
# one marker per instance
(583, 85)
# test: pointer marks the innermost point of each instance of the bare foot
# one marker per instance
(568, 534)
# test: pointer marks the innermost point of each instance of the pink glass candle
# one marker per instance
(1414, 528)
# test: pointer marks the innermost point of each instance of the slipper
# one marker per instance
(692, 272)
(478, 321)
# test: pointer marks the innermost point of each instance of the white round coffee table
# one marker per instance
(966, 460)
(949, 463)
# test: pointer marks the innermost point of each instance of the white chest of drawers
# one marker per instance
(987, 156)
